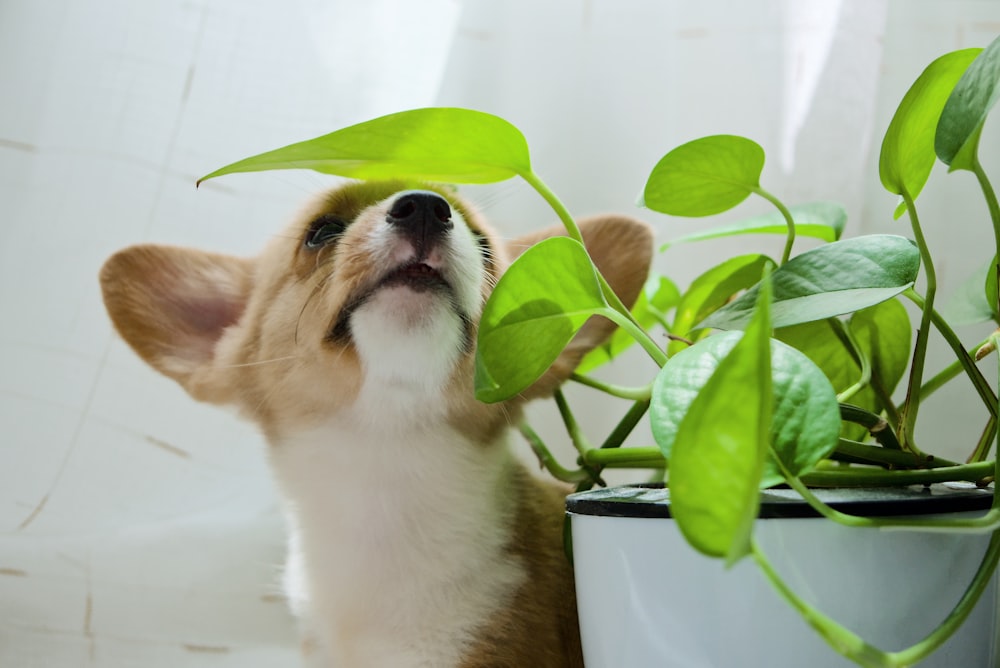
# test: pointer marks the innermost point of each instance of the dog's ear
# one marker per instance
(622, 249)
(172, 305)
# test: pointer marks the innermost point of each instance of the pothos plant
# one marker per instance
(812, 346)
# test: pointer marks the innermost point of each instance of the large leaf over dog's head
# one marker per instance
(445, 145)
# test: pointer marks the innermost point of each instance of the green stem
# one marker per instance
(868, 376)
(867, 454)
(968, 363)
(626, 424)
(787, 215)
(855, 477)
(995, 337)
(875, 425)
(576, 435)
(989, 521)
(631, 457)
(847, 339)
(853, 646)
(617, 437)
(821, 507)
(553, 201)
(911, 405)
(985, 442)
(936, 471)
(991, 204)
(856, 648)
(942, 377)
(548, 461)
(911, 655)
(635, 393)
(841, 639)
(884, 398)
(625, 320)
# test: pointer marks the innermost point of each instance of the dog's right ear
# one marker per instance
(172, 305)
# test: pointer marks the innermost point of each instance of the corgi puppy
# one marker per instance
(416, 538)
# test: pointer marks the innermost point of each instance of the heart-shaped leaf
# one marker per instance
(907, 154)
(819, 220)
(705, 176)
(435, 144)
(831, 280)
(718, 450)
(537, 306)
(806, 422)
(957, 137)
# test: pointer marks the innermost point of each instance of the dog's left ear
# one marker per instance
(622, 249)
(172, 306)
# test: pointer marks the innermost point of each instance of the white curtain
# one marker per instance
(138, 528)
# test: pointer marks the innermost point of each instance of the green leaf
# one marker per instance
(818, 341)
(820, 220)
(882, 335)
(717, 456)
(806, 422)
(711, 290)
(537, 306)
(972, 303)
(705, 176)
(657, 297)
(436, 144)
(831, 280)
(907, 154)
(957, 138)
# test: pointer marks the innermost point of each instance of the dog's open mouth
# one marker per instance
(416, 276)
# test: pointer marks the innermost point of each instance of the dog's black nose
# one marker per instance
(421, 215)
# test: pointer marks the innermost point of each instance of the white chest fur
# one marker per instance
(396, 539)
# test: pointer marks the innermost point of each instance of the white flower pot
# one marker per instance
(648, 599)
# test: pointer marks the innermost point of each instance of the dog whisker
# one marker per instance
(273, 360)
(320, 284)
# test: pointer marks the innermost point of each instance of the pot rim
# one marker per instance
(652, 500)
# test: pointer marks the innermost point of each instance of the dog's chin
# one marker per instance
(409, 333)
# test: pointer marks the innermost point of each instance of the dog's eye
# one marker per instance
(324, 230)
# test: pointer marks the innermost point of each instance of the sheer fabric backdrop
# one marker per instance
(139, 528)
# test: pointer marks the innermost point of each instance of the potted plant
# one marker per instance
(792, 395)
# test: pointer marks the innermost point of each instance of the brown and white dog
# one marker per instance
(416, 538)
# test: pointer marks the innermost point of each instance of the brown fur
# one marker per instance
(539, 626)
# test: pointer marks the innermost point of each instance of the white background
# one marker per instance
(140, 529)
